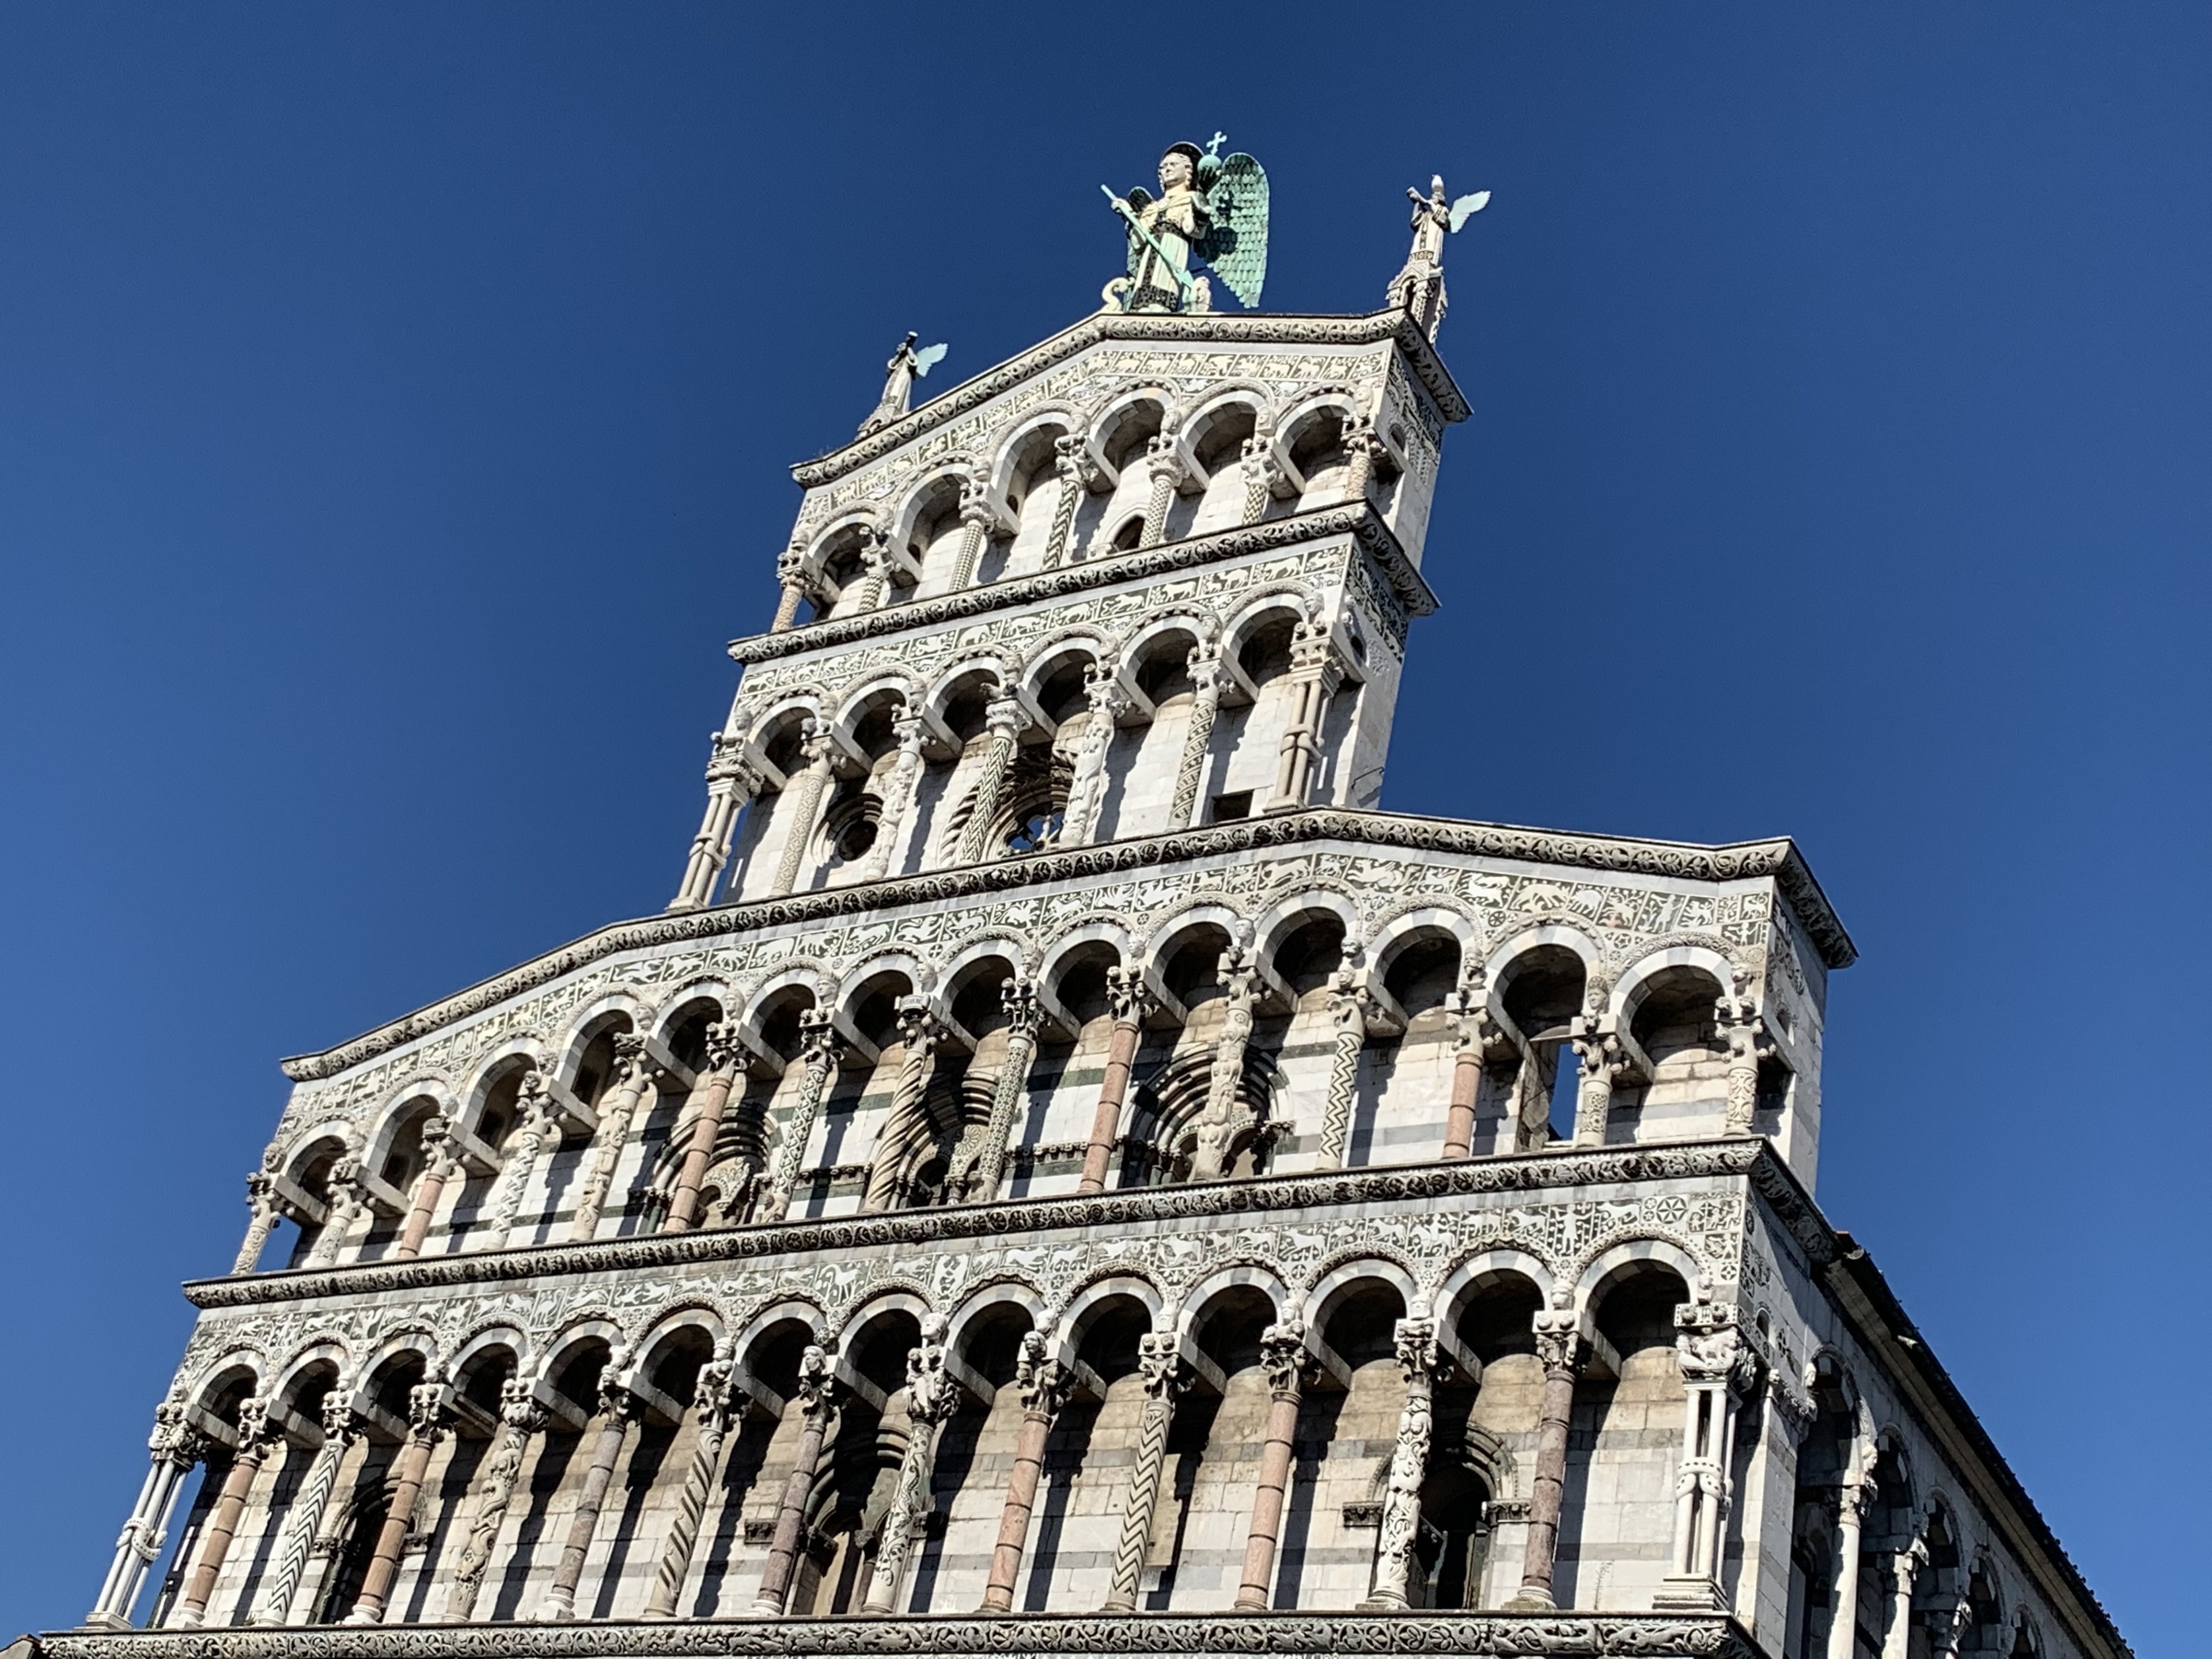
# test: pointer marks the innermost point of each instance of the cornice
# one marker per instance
(1734, 861)
(1284, 1635)
(1023, 1217)
(1358, 520)
(1211, 328)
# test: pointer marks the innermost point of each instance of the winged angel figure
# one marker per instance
(1212, 212)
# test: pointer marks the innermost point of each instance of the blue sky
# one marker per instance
(395, 403)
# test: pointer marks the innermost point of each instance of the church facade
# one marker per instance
(1068, 1173)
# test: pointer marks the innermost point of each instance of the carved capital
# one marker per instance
(1283, 1357)
(1025, 1013)
(815, 1382)
(1558, 1338)
(1415, 1340)
(518, 1405)
(1159, 1363)
(726, 1054)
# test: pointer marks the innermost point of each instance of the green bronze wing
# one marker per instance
(1237, 246)
(1139, 199)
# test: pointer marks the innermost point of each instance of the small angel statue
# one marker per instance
(1418, 287)
(1212, 212)
(906, 366)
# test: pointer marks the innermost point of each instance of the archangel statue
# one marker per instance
(906, 366)
(1212, 212)
(1418, 287)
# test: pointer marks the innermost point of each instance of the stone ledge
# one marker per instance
(1259, 1195)
(1501, 1635)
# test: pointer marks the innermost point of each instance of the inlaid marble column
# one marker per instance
(712, 1399)
(617, 1405)
(1160, 1365)
(1347, 1013)
(303, 1521)
(1217, 1119)
(725, 1055)
(426, 1426)
(1853, 1499)
(1012, 1091)
(732, 780)
(820, 1048)
(533, 1126)
(900, 787)
(439, 1162)
(1261, 475)
(1076, 472)
(1168, 474)
(521, 1420)
(617, 1107)
(1472, 1028)
(1005, 720)
(791, 578)
(1283, 1356)
(1599, 1059)
(1315, 674)
(343, 1207)
(1409, 1466)
(867, 593)
(261, 1201)
(1128, 1001)
(1717, 1367)
(253, 1437)
(177, 1451)
(1205, 676)
(1559, 1346)
(930, 1397)
(802, 807)
(1904, 1571)
(1043, 1383)
(977, 516)
(1086, 793)
(815, 1405)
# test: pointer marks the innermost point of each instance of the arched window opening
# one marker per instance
(1317, 453)
(1124, 442)
(845, 1511)
(1266, 651)
(1674, 1025)
(1543, 993)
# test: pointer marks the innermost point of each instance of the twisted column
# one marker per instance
(438, 1162)
(1261, 475)
(1409, 1466)
(1283, 1356)
(176, 1449)
(1205, 674)
(521, 1418)
(230, 1505)
(1005, 720)
(303, 1522)
(1217, 1119)
(930, 1399)
(1076, 472)
(616, 1108)
(1347, 1011)
(976, 518)
(1086, 791)
(1467, 1073)
(346, 1202)
(1128, 1001)
(533, 1122)
(898, 796)
(1044, 1384)
(1599, 1057)
(1167, 473)
(1023, 1016)
(918, 1032)
(875, 570)
(1559, 1345)
(791, 576)
(617, 1405)
(1162, 1368)
(732, 782)
(803, 807)
(426, 1412)
(1717, 1367)
(723, 1054)
(1905, 1568)
(815, 1405)
(261, 1201)
(1853, 1499)
(711, 1402)
(820, 1048)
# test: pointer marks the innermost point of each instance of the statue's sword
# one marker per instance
(1183, 284)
